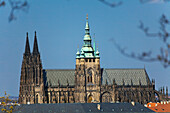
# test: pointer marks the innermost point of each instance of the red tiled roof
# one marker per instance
(158, 107)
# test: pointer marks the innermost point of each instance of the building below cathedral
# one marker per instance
(87, 83)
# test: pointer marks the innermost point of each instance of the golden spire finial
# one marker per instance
(87, 16)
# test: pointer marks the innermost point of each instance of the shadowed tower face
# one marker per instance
(87, 74)
(31, 81)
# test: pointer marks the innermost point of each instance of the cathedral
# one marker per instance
(87, 83)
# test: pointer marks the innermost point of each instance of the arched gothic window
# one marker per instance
(36, 99)
(90, 73)
(106, 98)
(36, 73)
(90, 98)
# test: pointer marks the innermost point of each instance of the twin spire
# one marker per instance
(35, 47)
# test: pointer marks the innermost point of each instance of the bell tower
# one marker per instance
(87, 72)
(31, 81)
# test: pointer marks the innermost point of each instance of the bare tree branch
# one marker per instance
(2, 3)
(144, 56)
(163, 56)
(111, 4)
(153, 1)
(17, 5)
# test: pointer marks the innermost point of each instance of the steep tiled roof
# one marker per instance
(135, 76)
(164, 107)
(53, 77)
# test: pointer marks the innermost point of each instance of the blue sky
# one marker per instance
(60, 29)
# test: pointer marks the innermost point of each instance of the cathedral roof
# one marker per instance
(137, 76)
(54, 77)
(126, 76)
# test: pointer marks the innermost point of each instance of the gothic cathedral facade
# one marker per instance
(87, 83)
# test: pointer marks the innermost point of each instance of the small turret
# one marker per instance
(50, 83)
(167, 92)
(123, 82)
(82, 54)
(163, 91)
(106, 82)
(67, 83)
(78, 54)
(131, 82)
(97, 53)
(140, 82)
(114, 82)
(58, 82)
(153, 82)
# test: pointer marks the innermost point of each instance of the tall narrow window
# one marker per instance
(36, 76)
(90, 79)
(90, 75)
(25, 75)
(36, 99)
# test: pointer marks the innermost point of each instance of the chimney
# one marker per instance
(98, 106)
(133, 103)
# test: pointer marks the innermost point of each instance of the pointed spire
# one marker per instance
(167, 92)
(131, 82)
(123, 82)
(78, 53)
(50, 83)
(163, 90)
(140, 82)
(87, 23)
(58, 82)
(27, 46)
(106, 82)
(82, 54)
(114, 82)
(67, 83)
(87, 36)
(35, 48)
(153, 82)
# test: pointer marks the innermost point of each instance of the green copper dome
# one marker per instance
(87, 51)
